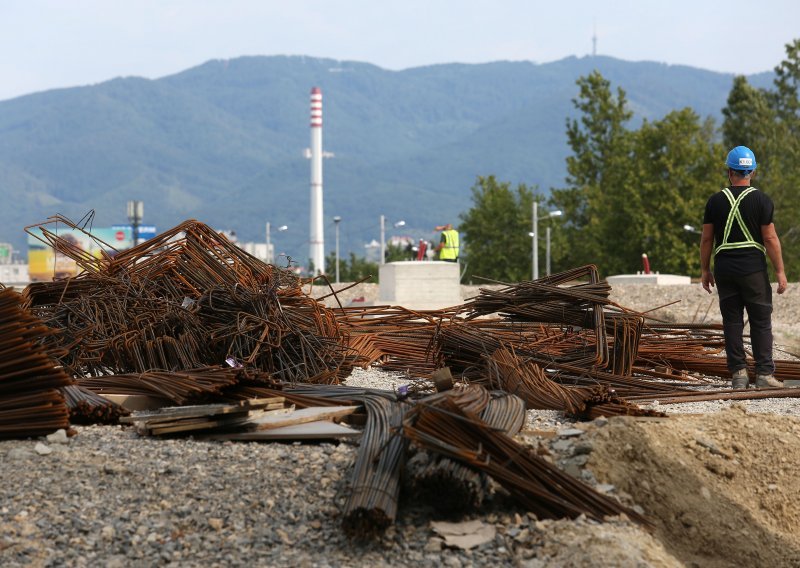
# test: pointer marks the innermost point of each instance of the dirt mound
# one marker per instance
(572, 544)
(722, 488)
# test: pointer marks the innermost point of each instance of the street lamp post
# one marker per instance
(336, 221)
(383, 236)
(270, 256)
(135, 215)
(535, 238)
(547, 254)
(269, 248)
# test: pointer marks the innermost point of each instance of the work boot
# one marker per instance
(768, 382)
(740, 379)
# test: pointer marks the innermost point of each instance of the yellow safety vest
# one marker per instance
(450, 249)
(735, 215)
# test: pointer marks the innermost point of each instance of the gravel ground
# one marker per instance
(109, 497)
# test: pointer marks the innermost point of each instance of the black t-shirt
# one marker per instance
(757, 210)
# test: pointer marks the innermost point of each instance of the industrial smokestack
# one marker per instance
(317, 240)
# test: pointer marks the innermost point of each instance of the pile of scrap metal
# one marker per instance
(162, 318)
(30, 402)
(464, 435)
(558, 342)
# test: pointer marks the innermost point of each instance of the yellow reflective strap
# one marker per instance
(735, 214)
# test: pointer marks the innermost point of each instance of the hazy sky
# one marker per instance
(46, 44)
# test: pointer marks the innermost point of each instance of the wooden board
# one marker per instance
(195, 425)
(204, 410)
(220, 422)
(302, 416)
(135, 402)
(318, 430)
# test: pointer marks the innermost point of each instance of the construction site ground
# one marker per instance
(717, 479)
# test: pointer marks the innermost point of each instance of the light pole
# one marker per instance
(535, 237)
(383, 236)
(135, 215)
(336, 221)
(280, 229)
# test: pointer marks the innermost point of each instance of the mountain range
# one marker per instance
(224, 142)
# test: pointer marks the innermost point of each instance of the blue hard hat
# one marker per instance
(741, 158)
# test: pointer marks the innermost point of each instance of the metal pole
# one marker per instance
(269, 248)
(535, 240)
(547, 261)
(336, 221)
(383, 239)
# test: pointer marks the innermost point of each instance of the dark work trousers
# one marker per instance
(754, 294)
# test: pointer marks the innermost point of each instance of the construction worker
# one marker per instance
(738, 229)
(448, 244)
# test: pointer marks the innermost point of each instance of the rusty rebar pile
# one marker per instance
(86, 407)
(188, 298)
(449, 486)
(445, 427)
(180, 387)
(374, 490)
(30, 403)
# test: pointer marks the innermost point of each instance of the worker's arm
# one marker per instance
(773, 245)
(706, 248)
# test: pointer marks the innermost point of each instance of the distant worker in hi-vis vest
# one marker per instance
(738, 230)
(448, 245)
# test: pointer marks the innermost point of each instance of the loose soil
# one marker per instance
(722, 488)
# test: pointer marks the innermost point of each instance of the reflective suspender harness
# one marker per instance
(735, 214)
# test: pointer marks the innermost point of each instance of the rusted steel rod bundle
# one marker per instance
(527, 379)
(443, 426)
(397, 338)
(374, 490)
(188, 298)
(180, 387)
(449, 486)
(30, 403)
(86, 407)
(550, 300)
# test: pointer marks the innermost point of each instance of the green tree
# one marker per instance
(495, 237)
(676, 169)
(596, 176)
(632, 191)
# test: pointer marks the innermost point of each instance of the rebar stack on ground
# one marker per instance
(550, 300)
(86, 407)
(188, 298)
(30, 403)
(374, 490)
(449, 486)
(180, 387)
(445, 427)
(395, 337)
(528, 380)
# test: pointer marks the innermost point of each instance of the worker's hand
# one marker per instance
(708, 281)
(782, 283)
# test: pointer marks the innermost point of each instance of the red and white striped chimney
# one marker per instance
(317, 238)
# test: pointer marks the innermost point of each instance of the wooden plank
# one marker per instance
(197, 425)
(136, 402)
(303, 416)
(318, 430)
(203, 410)
(225, 422)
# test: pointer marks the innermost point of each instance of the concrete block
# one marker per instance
(425, 285)
(655, 279)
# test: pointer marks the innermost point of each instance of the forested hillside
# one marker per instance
(223, 142)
